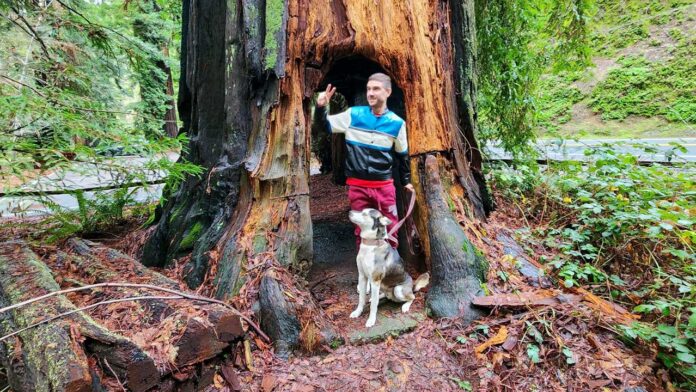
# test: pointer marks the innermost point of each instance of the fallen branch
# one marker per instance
(525, 299)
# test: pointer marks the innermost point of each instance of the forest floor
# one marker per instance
(442, 355)
(566, 341)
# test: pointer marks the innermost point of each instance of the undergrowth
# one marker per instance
(624, 230)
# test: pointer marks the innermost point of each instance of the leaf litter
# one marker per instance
(568, 345)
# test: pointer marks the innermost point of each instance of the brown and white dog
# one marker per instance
(381, 270)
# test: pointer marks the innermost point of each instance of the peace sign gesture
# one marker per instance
(325, 97)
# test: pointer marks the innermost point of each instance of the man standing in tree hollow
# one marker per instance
(373, 133)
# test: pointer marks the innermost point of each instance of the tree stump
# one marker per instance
(248, 76)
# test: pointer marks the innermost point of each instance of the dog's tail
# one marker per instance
(421, 282)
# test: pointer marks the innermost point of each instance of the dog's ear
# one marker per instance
(385, 221)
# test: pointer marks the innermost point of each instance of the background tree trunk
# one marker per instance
(250, 70)
(155, 76)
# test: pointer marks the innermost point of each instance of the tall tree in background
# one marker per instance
(519, 40)
(249, 70)
(154, 74)
(66, 73)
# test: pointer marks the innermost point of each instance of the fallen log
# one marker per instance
(558, 297)
(203, 331)
(167, 336)
(108, 265)
(524, 299)
(53, 356)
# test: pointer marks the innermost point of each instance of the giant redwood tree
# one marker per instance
(249, 71)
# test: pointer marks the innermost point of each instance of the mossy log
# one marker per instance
(53, 356)
(203, 332)
(249, 74)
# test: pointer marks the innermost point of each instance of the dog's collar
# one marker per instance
(373, 242)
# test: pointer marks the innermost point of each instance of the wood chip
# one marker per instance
(268, 383)
(499, 338)
(231, 377)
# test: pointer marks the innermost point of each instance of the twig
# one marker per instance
(111, 301)
(115, 375)
(142, 286)
(320, 281)
(33, 32)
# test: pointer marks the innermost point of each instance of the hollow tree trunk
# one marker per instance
(251, 67)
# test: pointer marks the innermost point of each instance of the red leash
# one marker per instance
(398, 224)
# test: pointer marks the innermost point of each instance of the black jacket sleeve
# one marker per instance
(403, 163)
(321, 117)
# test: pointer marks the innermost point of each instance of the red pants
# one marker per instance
(382, 199)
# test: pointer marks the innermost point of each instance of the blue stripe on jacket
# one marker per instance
(361, 117)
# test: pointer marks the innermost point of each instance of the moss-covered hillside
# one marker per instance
(643, 79)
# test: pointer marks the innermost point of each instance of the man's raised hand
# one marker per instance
(325, 97)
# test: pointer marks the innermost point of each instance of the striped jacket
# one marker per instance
(372, 143)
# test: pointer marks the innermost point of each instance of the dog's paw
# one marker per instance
(370, 322)
(405, 307)
(356, 313)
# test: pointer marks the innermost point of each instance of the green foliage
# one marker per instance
(620, 24)
(274, 24)
(67, 86)
(517, 41)
(533, 353)
(652, 79)
(97, 214)
(556, 98)
(625, 230)
(462, 384)
(648, 89)
(68, 73)
(515, 181)
(677, 344)
(151, 66)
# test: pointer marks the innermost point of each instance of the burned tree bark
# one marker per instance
(251, 70)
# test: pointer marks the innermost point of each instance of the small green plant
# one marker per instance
(463, 384)
(677, 344)
(624, 230)
(97, 213)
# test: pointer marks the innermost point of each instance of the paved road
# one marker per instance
(574, 150)
(88, 176)
(92, 178)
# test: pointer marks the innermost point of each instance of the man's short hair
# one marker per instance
(382, 78)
